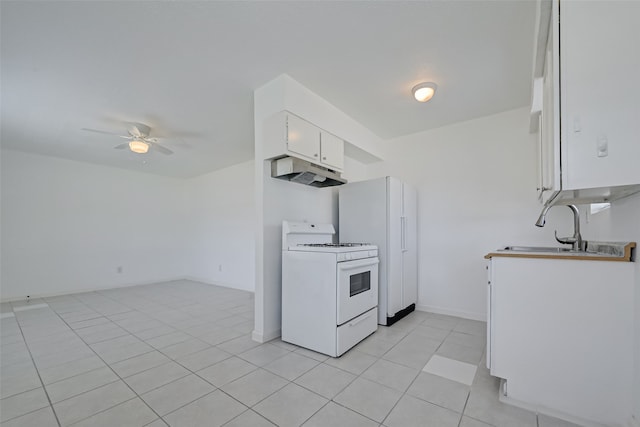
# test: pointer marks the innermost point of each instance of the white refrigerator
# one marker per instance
(383, 212)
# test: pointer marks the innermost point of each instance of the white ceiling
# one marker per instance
(189, 69)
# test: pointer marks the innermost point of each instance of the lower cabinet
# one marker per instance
(560, 332)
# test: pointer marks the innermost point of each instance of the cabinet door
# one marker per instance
(549, 180)
(548, 344)
(332, 151)
(600, 65)
(303, 138)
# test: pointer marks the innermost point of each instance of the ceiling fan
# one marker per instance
(139, 140)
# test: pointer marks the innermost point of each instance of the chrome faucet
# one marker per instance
(576, 242)
(543, 216)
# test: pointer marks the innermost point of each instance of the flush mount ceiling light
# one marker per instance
(424, 91)
(138, 146)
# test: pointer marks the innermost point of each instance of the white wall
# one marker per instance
(476, 185)
(67, 226)
(220, 227)
(622, 223)
(278, 200)
(476, 182)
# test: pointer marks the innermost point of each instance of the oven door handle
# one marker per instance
(350, 265)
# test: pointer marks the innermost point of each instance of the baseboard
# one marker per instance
(89, 289)
(265, 337)
(450, 312)
(120, 286)
(219, 283)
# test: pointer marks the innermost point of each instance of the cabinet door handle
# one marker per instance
(315, 155)
(324, 158)
(543, 188)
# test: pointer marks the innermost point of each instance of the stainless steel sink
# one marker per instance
(607, 249)
(536, 249)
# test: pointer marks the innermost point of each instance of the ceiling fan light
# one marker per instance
(138, 146)
(423, 92)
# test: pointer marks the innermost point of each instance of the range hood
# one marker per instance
(304, 172)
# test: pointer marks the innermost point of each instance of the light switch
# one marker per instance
(603, 146)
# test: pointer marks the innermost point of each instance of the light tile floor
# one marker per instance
(180, 354)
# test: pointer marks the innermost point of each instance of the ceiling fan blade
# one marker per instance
(177, 134)
(162, 149)
(122, 146)
(105, 132)
(139, 130)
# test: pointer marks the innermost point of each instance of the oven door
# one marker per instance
(357, 288)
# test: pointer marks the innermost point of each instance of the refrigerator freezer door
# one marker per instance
(395, 243)
(410, 247)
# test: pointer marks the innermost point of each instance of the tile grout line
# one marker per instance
(122, 379)
(248, 373)
(356, 412)
(362, 373)
(405, 334)
(464, 408)
(403, 393)
(244, 412)
(213, 391)
(74, 376)
(461, 414)
(169, 359)
(164, 323)
(101, 293)
(112, 370)
(103, 410)
(312, 415)
(44, 389)
(90, 326)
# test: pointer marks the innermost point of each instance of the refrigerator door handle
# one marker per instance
(403, 233)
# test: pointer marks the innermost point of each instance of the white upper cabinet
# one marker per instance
(303, 138)
(600, 65)
(549, 136)
(590, 119)
(331, 151)
(288, 134)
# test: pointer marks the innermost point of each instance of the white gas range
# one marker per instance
(329, 290)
